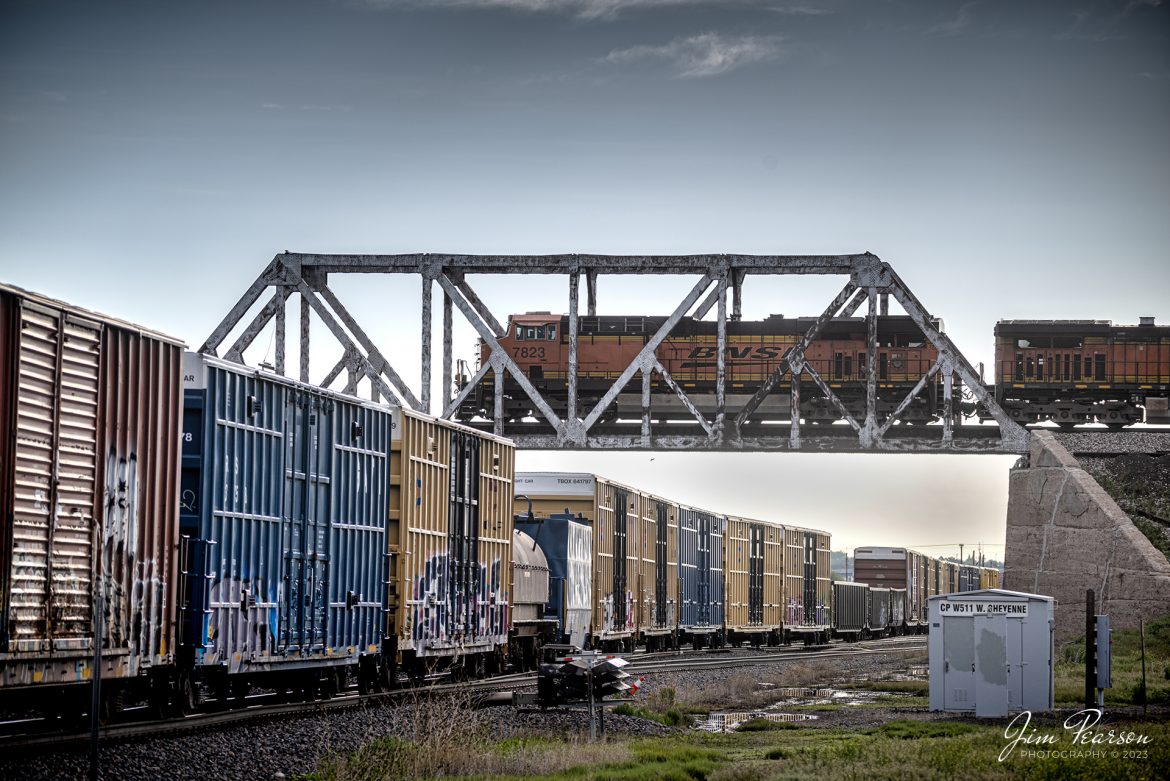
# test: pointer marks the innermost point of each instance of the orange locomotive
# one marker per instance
(1075, 371)
(539, 344)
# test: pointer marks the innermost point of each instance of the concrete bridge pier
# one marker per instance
(1065, 534)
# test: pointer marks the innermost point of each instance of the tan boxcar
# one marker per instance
(658, 582)
(449, 545)
(753, 565)
(615, 512)
(808, 587)
(90, 416)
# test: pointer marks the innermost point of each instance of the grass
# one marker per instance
(1069, 672)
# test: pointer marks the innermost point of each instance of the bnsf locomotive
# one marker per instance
(1067, 371)
(606, 345)
(1078, 371)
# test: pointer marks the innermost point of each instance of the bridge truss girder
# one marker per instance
(870, 282)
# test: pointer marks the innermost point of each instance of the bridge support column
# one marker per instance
(1065, 534)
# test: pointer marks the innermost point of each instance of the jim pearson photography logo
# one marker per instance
(1080, 738)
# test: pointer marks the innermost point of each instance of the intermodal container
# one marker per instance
(449, 541)
(700, 561)
(568, 548)
(754, 565)
(89, 435)
(850, 608)
(283, 507)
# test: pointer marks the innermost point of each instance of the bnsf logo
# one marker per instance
(745, 352)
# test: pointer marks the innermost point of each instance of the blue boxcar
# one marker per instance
(700, 567)
(284, 507)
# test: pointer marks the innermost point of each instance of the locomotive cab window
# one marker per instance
(519, 333)
(551, 332)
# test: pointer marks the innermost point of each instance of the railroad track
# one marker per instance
(264, 709)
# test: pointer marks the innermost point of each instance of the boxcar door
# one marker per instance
(755, 575)
(463, 583)
(306, 535)
(660, 552)
(620, 546)
(810, 579)
(48, 584)
(703, 581)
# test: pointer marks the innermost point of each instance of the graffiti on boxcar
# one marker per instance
(477, 617)
(607, 610)
(243, 618)
(119, 545)
(579, 566)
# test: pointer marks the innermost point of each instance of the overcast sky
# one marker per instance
(1010, 159)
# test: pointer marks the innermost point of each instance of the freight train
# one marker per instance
(188, 528)
(891, 588)
(629, 568)
(1066, 371)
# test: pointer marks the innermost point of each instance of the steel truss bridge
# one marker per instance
(869, 281)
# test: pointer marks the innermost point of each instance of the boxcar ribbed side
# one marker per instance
(449, 544)
(897, 610)
(879, 610)
(283, 503)
(658, 604)
(850, 609)
(754, 573)
(701, 574)
(808, 588)
(89, 418)
(616, 538)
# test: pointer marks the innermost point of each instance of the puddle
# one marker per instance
(728, 721)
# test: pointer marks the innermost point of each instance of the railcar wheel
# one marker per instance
(187, 695)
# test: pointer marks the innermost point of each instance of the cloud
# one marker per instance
(956, 26)
(583, 9)
(707, 54)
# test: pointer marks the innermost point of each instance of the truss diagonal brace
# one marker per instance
(795, 354)
(466, 390)
(832, 397)
(274, 305)
(906, 402)
(376, 360)
(645, 358)
(1013, 436)
(682, 396)
(272, 271)
(499, 355)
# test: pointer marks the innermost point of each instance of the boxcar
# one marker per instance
(850, 609)
(284, 500)
(879, 610)
(450, 546)
(89, 436)
(895, 568)
(614, 511)
(700, 563)
(658, 584)
(897, 611)
(753, 559)
(807, 584)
